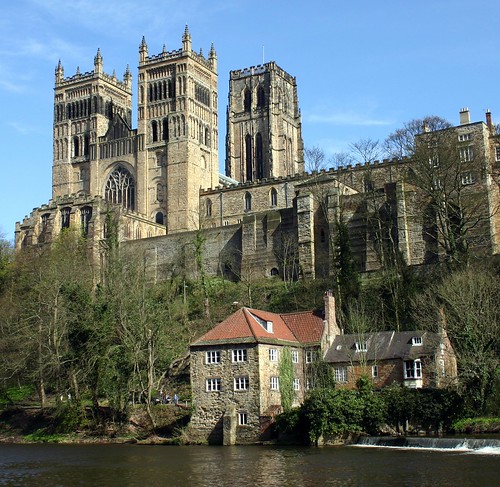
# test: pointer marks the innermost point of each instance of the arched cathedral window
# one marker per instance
(259, 156)
(120, 188)
(261, 97)
(248, 157)
(159, 218)
(85, 216)
(65, 217)
(154, 130)
(208, 205)
(247, 100)
(274, 197)
(248, 201)
(76, 146)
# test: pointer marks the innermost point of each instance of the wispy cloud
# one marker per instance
(22, 128)
(348, 117)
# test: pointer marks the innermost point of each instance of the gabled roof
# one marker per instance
(249, 325)
(382, 346)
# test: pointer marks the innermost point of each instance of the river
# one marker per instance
(137, 465)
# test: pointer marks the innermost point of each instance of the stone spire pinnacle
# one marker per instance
(212, 57)
(186, 40)
(98, 62)
(59, 72)
(143, 50)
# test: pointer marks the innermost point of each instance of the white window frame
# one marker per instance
(413, 369)
(274, 383)
(273, 354)
(213, 385)
(467, 178)
(241, 383)
(375, 371)
(340, 374)
(242, 419)
(296, 384)
(295, 356)
(239, 355)
(212, 357)
(497, 153)
(309, 356)
(416, 341)
(464, 137)
(466, 153)
(361, 346)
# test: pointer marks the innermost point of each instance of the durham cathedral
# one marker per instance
(265, 216)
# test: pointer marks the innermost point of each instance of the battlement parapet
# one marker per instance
(175, 54)
(90, 76)
(260, 69)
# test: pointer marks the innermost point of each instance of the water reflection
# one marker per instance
(133, 465)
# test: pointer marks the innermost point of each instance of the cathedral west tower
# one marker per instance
(177, 125)
(264, 134)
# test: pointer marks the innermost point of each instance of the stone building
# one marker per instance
(266, 216)
(416, 359)
(235, 377)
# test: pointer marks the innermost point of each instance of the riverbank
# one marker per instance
(28, 424)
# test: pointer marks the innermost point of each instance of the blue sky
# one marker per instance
(363, 67)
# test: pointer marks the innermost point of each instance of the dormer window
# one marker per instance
(269, 326)
(361, 346)
(416, 341)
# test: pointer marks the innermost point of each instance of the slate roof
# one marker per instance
(248, 325)
(382, 346)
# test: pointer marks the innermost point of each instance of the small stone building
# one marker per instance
(417, 359)
(235, 375)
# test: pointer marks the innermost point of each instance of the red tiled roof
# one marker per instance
(305, 327)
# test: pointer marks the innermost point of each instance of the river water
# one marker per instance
(137, 465)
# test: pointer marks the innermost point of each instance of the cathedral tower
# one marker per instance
(84, 107)
(264, 134)
(177, 127)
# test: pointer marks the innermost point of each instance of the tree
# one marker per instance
(468, 300)
(443, 172)
(401, 143)
(365, 151)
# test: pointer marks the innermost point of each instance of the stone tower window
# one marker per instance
(76, 147)
(208, 205)
(248, 157)
(154, 130)
(85, 216)
(259, 156)
(159, 218)
(165, 129)
(274, 197)
(65, 217)
(120, 188)
(247, 100)
(248, 201)
(261, 97)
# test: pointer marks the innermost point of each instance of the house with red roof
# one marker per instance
(235, 369)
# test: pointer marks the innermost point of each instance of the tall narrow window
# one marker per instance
(85, 216)
(65, 215)
(248, 201)
(86, 145)
(247, 100)
(259, 156)
(165, 129)
(261, 97)
(208, 204)
(248, 158)
(76, 147)
(154, 130)
(120, 188)
(274, 197)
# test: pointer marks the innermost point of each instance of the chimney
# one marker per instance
(332, 328)
(464, 116)
(488, 119)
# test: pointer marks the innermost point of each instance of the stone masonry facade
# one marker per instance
(266, 216)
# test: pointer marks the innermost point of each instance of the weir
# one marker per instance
(491, 445)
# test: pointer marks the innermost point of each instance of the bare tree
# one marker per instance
(365, 150)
